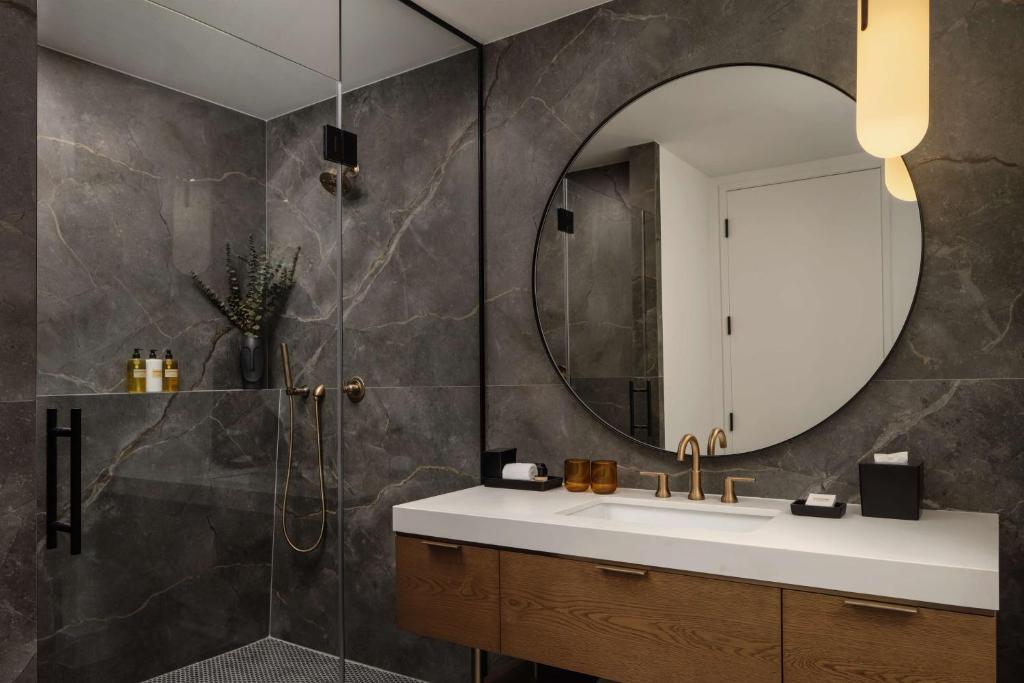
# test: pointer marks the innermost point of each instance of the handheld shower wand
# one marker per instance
(319, 394)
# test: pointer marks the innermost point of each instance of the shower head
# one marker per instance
(329, 181)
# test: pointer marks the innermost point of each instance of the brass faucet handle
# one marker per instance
(729, 492)
(663, 491)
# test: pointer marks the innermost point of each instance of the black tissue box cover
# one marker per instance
(493, 460)
(892, 491)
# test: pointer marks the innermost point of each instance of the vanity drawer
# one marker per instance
(638, 626)
(831, 638)
(447, 591)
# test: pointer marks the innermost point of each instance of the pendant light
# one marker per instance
(892, 75)
(897, 180)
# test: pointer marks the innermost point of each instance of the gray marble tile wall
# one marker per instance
(600, 273)
(410, 324)
(138, 186)
(306, 586)
(953, 389)
(17, 543)
(17, 340)
(177, 508)
(600, 283)
(182, 534)
(301, 213)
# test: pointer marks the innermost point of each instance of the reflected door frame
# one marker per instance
(784, 174)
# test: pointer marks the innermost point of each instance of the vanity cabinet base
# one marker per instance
(638, 625)
(644, 625)
(829, 638)
(448, 591)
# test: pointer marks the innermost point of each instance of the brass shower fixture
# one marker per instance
(319, 394)
(329, 181)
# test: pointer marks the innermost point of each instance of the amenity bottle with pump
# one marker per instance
(135, 376)
(154, 374)
(170, 372)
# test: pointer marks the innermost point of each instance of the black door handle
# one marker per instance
(74, 434)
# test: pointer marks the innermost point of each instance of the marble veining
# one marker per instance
(305, 590)
(953, 388)
(410, 256)
(138, 186)
(410, 310)
(177, 512)
(301, 214)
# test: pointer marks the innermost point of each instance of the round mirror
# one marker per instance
(721, 252)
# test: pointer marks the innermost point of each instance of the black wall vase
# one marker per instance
(252, 358)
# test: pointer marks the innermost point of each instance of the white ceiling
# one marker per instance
(230, 51)
(305, 31)
(733, 119)
(489, 20)
(157, 44)
(383, 38)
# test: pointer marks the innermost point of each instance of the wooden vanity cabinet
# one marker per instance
(830, 638)
(447, 591)
(638, 625)
(642, 625)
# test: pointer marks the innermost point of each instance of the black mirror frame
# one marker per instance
(551, 199)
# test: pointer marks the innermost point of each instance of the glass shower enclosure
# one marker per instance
(247, 354)
(168, 133)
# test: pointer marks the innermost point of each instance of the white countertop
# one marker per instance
(945, 558)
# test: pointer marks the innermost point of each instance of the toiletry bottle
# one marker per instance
(170, 372)
(154, 374)
(135, 378)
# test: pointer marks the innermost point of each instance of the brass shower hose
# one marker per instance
(318, 396)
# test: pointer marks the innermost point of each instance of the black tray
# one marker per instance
(800, 507)
(551, 483)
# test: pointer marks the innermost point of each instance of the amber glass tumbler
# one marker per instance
(604, 476)
(577, 474)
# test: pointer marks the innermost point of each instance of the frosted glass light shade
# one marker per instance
(892, 76)
(897, 180)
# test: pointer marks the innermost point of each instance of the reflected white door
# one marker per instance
(806, 301)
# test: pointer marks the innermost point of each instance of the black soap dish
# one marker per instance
(523, 484)
(801, 508)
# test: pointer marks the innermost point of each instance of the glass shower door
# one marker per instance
(410, 302)
(163, 138)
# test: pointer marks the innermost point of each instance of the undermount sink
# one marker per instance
(663, 516)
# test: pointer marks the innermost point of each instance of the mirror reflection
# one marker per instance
(722, 253)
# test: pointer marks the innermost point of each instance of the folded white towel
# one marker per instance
(525, 471)
(901, 458)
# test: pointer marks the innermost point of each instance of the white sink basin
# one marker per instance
(676, 517)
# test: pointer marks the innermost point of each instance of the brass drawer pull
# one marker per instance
(622, 570)
(880, 605)
(439, 544)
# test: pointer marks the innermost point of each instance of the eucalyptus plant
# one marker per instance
(267, 285)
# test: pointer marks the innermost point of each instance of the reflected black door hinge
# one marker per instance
(341, 147)
(728, 324)
(731, 422)
(726, 228)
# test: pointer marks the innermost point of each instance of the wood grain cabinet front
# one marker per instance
(638, 625)
(830, 638)
(447, 591)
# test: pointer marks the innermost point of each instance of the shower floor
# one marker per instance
(276, 661)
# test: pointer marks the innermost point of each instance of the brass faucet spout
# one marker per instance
(690, 442)
(717, 435)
